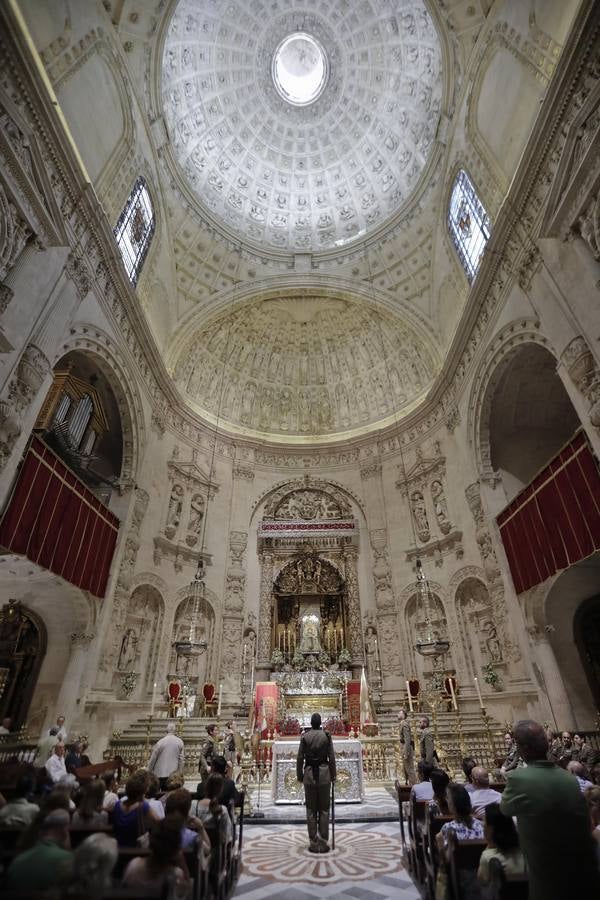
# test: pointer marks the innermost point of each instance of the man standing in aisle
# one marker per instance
(167, 756)
(428, 753)
(315, 768)
(407, 747)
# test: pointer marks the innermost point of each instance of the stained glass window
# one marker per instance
(135, 228)
(468, 223)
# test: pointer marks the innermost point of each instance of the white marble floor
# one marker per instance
(379, 802)
(365, 865)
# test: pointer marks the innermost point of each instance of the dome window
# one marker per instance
(468, 223)
(135, 229)
(300, 69)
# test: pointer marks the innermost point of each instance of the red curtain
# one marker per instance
(54, 520)
(353, 697)
(555, 520)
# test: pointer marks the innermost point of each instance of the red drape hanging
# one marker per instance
(54, 520)
(555, 520)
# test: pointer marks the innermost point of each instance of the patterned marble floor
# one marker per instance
(379, 802)
(365, 865)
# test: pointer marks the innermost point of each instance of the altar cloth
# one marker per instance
(349, 786)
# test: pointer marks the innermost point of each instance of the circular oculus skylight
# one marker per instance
(299, 69)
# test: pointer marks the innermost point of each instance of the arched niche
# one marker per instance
(478, 631)
(138, 651)
(570, 619)
(23, 644)
(200, 668)
(81, 421)
(526, 415)
(415, 629)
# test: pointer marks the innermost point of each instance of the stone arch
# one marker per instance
(274, 494)
(411, 626)
(91, 341)
(205, 667)
(492, 368)
(142, 629)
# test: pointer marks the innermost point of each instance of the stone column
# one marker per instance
(68, 696)
(554, 694)
(265, 612)
(356, 648)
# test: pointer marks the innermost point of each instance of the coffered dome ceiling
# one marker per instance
(301, 129)
(304, 366)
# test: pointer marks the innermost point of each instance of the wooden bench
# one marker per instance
(431, 828)
(506, 887)
(462, 859)
(416, 820)
(403, 794)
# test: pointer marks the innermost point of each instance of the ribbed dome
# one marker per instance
(301, 130)
(304, 366)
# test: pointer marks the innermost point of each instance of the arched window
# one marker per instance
(135, 228)
(468, 223)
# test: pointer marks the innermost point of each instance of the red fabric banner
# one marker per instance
(266, 700)
(555, 520)
(54, 520)
(353, 697)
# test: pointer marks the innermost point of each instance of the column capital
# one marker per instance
(81, 638)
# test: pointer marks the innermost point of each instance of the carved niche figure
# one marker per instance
(308, 505)
(492, 643)
(440, 506)
(196, 514)
(420, 516)
(174, 512)
(127, 653)
(371, 649)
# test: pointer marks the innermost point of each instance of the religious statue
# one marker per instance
(309, 634)
(492, 643)
(317, 572)
(420, 516)
(174, 511)
(196, 513)
(127, 653)
(371, 650)
(440, 507)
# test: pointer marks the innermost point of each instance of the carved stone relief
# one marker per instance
(585, 374)
(29, 375)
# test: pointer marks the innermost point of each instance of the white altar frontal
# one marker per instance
(349, 787)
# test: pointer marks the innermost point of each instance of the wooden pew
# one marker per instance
(403, 794)
(462, 858)
(432, 827)
(506, 887)
(418, 809)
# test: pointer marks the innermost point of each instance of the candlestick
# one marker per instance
(410, 706)
(452, 694)
(154, 686)
(279, 641)
(478, 689)
(219, 703)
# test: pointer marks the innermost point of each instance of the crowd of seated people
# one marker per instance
(536, 832)
(65, 840)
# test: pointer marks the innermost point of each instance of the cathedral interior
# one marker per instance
(299, 366)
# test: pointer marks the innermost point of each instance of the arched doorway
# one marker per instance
(23, 643)
(530, 416)
(587, 638)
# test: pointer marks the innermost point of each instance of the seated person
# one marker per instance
(463, 824)
(93, 862)
(592, 797)
(152, 792)
(209, 809)
(132, 816)
(423, 790)
(179, 803)
(468, 764)
(110, 791)
(230, 792)
(512, 759)
(482, 794)
(502, 844)
(578, 770)
(47, 861)
(89, 813)
(73, 758)
(439, 783)
(19, 812)
(165, 864)
(174, 783)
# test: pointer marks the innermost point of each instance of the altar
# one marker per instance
(349, 786)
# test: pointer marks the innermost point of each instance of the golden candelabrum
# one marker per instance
(148, 730)
(460, 740)
(246, 764)
(488, 731)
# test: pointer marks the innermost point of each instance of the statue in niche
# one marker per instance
(174, 511)
(420, 516)
(127, 653)
(309, 637)
(440, 507)
(196, 514)
(492, 643)
(317, 572)
(371, 649)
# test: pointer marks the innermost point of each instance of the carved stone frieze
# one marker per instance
(27, 379)
(316, 488)
(14, 234)
(243, 472)
(450, 543)
(584, 373)
(77, 270)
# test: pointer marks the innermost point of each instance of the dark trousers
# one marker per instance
(163, 783)
(316, 795)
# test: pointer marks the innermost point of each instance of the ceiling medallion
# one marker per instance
(300, 69)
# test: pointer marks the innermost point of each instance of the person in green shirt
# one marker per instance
(44, 864)
(552, 821)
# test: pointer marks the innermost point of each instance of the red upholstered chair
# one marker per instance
(208, 697)
(174, 695)
(415, 689)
